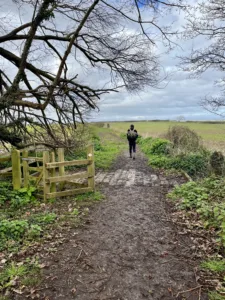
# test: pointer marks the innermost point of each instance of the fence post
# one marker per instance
(91, 167)
(53, 173)
(61, 168)
(46, 184)
(16, 169)
(25, 169)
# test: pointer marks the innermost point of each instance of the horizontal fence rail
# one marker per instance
(68, 163)
(49, 175)
(50, 180)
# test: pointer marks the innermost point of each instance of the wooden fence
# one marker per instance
(49, 174)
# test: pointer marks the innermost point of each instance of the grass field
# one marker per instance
(213, 135)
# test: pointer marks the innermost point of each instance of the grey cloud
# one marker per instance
(180, 96)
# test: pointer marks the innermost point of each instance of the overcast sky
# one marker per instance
(176, 96)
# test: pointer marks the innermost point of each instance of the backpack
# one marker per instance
(132, 134)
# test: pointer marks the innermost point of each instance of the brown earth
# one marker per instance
(128, 249)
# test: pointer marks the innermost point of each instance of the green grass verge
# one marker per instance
(107, 146)
(160, 154)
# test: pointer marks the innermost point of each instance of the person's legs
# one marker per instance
(134, 150)
(130, 149)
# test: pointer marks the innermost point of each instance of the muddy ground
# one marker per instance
(128, 248)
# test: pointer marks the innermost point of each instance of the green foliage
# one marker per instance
(5, 191)
(16, 199)
(217, 266)
(19, 230)
(27, 273)
(108, 153)
(10, 273)
(75, 155)
(14, 229)
(43, 219)
(97, 143)
(161, 155)
(75, 212)
(34, 231)
(23, 197)
(93, 196)
(145, 142)
(215, 296)
(123, 135)
(160, 147)
(207, 198)
(217, 163)
(195, 165)
(32, 280)
(4, 165)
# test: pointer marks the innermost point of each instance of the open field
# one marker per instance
(213, 135)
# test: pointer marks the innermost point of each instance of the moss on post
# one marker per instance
(16, 169)
(25, 169)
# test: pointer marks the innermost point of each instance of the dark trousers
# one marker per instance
(132, 147)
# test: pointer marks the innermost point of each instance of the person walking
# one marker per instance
(132, 136)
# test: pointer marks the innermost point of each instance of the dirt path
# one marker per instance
(128, 249)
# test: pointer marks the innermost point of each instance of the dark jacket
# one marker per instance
(132, 135)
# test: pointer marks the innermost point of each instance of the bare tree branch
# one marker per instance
(207, 19)
(41, 84)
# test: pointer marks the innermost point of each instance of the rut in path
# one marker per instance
(129, 249)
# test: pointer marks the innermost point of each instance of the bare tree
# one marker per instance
(206, 22)
(180, 119)
(42, 57)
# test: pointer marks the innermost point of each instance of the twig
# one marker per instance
(190, 290)
(79, 255)
(199, 296)
(83, 250)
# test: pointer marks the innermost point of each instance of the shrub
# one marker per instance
(193, 164)
(217, 162)
(160, 146)
(162, 155)
(160, 161)
(139, 139)
(184, 139)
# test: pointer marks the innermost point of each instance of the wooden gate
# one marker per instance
(49, 176)
(55, 178)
